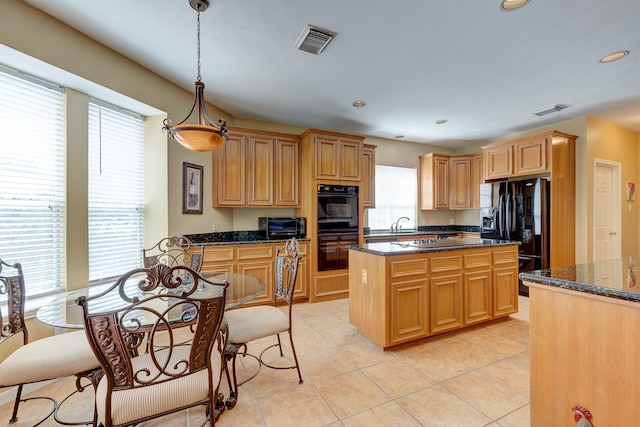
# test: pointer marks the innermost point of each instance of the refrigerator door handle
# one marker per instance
(508, 220)
(501, 216)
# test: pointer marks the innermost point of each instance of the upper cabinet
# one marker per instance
(434, 181)
(256, 169)
(477, 178)
(526, 156)
(368, 185)
(460, 182)
(337, 156)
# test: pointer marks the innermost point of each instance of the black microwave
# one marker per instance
(279, 228)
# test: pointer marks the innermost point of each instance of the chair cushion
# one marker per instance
(48, 358)
(251, 323)
(132, 404)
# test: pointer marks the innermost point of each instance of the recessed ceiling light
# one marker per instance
(509, 5)
(441, 121)
(614, 56)
(358, 104)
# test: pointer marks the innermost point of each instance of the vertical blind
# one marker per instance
(116, 191)
(396, 196)
(32, 180)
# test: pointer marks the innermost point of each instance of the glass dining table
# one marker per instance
(64, 312)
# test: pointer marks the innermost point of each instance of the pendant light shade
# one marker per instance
(203, 135)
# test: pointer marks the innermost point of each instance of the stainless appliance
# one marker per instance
(519, 211)
(278, 228)
(337, 225)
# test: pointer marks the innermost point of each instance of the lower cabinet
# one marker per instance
(256, 260)
(397, 299)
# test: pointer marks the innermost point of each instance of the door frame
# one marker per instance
(616, 202)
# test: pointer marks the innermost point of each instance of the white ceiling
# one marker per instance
(413, 61)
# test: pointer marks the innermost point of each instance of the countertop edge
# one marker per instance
(592, 289)
(408, 250)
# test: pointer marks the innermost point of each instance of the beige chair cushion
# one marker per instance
(251, 323)
(48, 358)
(132, 404)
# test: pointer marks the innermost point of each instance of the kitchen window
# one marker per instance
(396, 196)
(32, 180)
(116, 191)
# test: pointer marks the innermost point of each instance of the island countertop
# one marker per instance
(412, 247)
(616, 278)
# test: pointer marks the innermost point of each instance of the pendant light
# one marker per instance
(203, 136)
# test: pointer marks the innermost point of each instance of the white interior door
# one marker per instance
(607, 198)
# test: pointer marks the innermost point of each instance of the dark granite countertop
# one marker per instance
(404, 248)
(234, 238)
(616, 278)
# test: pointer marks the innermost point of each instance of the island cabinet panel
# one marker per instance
(477, 297)
(410, 316)
(446, 303)
(399, 298)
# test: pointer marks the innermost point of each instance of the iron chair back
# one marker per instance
(157, 300)
(173, 251)
(12, 284)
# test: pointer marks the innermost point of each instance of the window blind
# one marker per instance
(396, 196)
(32, 180)
(116, 191)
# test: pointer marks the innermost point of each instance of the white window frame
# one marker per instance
(396, 196)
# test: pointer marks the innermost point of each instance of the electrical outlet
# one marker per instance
(364, 276)
(215, 226)
(452, 221)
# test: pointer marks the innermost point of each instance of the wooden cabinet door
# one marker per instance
(505, 291)
(477, 178)
(409, 309)
(218, 259)
(257, 260)
(327, 149)
(446, 303)
(434, 181)
(286, 172)
(477, 297)
(260, 170)
(531, 156)
(302, 281)
(368, 186)
(349, 160)
(460, 182)
(498, 161)
(229, 187)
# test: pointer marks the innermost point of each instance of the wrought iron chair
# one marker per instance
(167, 379)
(49, 358)
(252, 323)
(172, 251)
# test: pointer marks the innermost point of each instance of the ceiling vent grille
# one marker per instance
(314, 39)
(558, 107)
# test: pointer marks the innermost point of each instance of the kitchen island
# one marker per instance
(401, 292)
(585, 343)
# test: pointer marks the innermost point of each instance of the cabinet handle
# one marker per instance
(612, 233)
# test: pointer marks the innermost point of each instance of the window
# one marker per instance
(116, 191)
(32, 180)
(396, 196)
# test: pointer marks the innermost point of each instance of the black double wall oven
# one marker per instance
(337, 225)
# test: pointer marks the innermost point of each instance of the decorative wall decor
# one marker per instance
(631, 189)
(191, 188)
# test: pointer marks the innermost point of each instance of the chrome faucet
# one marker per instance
(395, 227)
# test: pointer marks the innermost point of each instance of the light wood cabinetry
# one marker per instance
(337, 156)
(460, 191)
(368, 185)
(550, 154)
(256, 169)
(397, 299)
(256, 259)
(434, 181)
(477, 178)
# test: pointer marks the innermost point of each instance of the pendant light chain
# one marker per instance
(199, 76)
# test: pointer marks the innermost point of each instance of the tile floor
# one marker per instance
(476, 377)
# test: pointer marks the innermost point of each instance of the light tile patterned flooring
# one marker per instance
(475, 377)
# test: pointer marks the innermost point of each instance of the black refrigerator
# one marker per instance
(519, 211)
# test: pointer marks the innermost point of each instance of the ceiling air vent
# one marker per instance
(558, 107)
(314, 39)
